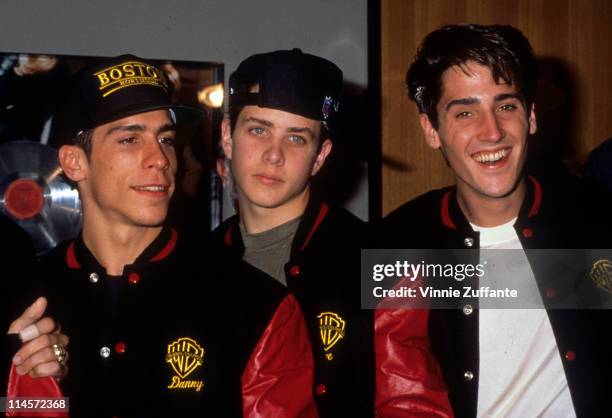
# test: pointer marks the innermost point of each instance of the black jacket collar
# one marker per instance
(78, 255)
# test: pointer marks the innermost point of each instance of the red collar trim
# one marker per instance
(320, 216)
(227, 237)
(73, 263)
(71, 259)
(535, 207)
(445, 211)
(168, 248)
(537, 197)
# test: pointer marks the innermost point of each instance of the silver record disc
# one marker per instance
(35, 195)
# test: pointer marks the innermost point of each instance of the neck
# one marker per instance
(490, 211)
(114, 247)
(257, 219)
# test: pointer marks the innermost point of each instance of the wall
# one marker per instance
(572, 41)
(201, 30)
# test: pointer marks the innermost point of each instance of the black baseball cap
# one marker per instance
(112, 89)
(291, 81)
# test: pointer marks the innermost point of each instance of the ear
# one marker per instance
(226, 137)
(533, 123)
(431, 135)
(73, 162)
(326, 148)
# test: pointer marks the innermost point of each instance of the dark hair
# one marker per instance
(502, 48)
(84, 140)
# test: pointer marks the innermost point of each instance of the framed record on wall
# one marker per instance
(33, 191)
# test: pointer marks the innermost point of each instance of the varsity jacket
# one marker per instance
(561, 214)
(323, 273)
(177, 334)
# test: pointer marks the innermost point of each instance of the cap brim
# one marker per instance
(183, 114)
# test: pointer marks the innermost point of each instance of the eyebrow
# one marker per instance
(140, 128)
(295, 129)
(473, 100)
(299, 130)
(261, 121)
(465, 101)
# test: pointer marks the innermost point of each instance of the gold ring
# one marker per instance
(60, 353)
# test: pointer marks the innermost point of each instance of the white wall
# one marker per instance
(225, 31)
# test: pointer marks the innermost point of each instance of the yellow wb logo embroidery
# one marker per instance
(601, 274)
(331, 327)
(185, 355)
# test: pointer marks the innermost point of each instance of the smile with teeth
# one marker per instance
(491, 157)
(151, 188)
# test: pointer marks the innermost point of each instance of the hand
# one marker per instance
(36, 357)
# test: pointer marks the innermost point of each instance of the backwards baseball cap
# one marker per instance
(291, 81)
(112, 89)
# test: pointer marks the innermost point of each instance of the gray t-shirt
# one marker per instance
(270, 250)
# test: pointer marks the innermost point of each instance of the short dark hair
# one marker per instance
(502, 48)
(84, 140)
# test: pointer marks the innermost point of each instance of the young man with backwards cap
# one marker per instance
(283, 109)
(152, 332)
(475, 88)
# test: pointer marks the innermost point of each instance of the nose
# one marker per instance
(157, 156)
(492, 131)
(273, 154)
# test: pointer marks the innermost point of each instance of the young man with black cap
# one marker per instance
(283, 109)
(475, 90)
(153, 332)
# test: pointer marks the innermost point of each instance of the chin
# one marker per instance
(268, 203)
(500, 190)
(151, 220)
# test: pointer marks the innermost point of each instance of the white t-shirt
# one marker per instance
(521, 374)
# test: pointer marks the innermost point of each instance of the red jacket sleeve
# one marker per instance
(26, 387)
(278, 379)
(408, 378)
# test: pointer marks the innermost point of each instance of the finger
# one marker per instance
(35, 360)
(27, 351)
(44, 363)
(28, 333)
(32, 314)
(51, 368)
(46, 325)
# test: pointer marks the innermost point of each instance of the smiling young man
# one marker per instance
(475, 89)
(282, 116)
(153, 332)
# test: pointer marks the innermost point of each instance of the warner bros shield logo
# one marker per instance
(332, 329)
(601, 274)
(185, 355)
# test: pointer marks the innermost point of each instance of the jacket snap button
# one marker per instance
(133, 278)
(551, 293)
(528, 232)
(294, 271)
(105, 352)
(468, 376)
(570, 355)
(120, 347)
(321, 389)
(468, 309)
(468, 242)
(93, 277)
